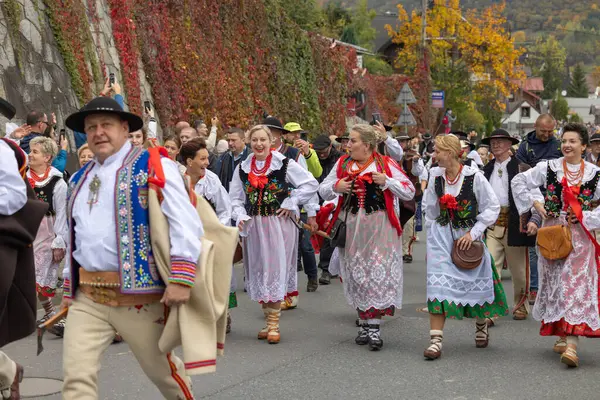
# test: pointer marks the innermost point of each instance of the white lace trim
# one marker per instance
(569, 288)
(450, 282)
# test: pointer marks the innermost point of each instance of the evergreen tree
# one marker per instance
(559, 108)
(578, 85)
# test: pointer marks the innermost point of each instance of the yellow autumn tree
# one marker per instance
(470, 55)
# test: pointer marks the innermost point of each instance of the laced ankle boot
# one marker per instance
(363, 335)
(375, 341)
(264, 332)
(482, 336)
(434, 351)
(273, 335)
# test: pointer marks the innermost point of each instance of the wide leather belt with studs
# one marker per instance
(503, 217)
(105, 288)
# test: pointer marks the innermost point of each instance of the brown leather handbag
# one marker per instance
(555, 242)
(467, 259)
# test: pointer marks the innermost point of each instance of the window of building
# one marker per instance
(525, 112)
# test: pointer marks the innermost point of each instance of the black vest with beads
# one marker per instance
(466, 214)
(371, 200)
(553, 198)
(266, 201)
(46, 194)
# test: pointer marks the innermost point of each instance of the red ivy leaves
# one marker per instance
(126, 42)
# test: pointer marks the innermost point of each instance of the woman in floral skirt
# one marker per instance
(567, 300)
(371, 261)
(459, 204)
(50, 243)
(265, 193)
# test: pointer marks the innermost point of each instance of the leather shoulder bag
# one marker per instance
(467, 259)
(555, 242)
(338, 232)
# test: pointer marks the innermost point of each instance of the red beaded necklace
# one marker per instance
(456, 178)
(260, 171)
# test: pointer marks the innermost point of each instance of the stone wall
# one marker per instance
(32, 70)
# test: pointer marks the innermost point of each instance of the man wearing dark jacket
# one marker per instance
(238, 151)
(540, 144)
(328, 156)
(537, 146)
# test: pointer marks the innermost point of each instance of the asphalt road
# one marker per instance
(317, 357)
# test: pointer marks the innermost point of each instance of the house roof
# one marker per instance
(532, 94)
(518, 105)
(531, 84)
(382, 40)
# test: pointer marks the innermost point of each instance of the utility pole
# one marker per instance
(423, 27)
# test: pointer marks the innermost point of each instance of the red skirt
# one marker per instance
(563, 328)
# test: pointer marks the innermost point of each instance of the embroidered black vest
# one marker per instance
(266, 201)
(371, 200)
(553, 198)
(466, 215)
(46, 194)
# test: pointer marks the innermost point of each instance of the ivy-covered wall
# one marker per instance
(191, 58)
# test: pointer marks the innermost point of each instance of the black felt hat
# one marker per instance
(499, 134)
(7, 109)
(595, 137)
(340, 138)
(102, 105)
(274, 123)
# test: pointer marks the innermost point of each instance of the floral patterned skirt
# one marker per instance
(568, 299)
(452, 310)
(371, 264)
(46, 271)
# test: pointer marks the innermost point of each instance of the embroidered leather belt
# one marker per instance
(105, 288)
(503, 217)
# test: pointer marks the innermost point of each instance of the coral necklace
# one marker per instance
(456, 178)
(260, 171)
(257, 177)
(361, 168)
(574, 178)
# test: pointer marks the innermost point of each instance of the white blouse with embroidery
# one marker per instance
(304, 183)
(524, 183)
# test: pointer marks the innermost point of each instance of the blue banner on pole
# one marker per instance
(438, 98)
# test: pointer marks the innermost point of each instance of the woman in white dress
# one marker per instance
(459, 204)
(567, 300)
(265, 193)
(371, 260)
(50, 243)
